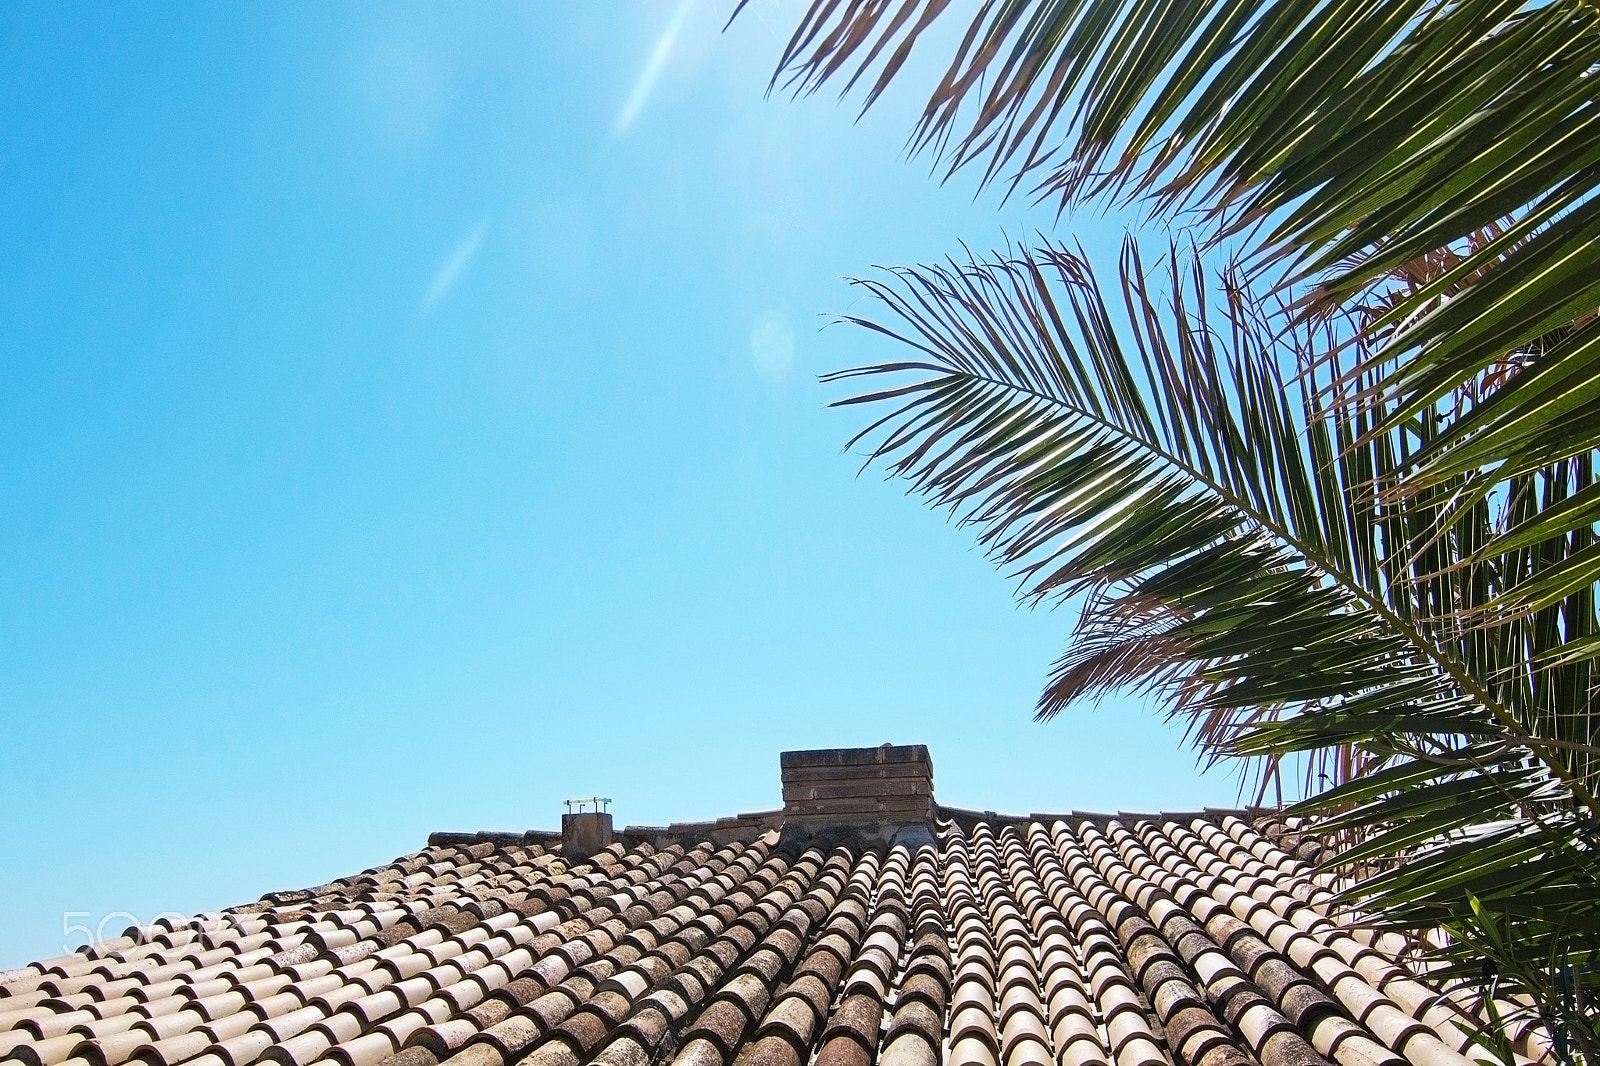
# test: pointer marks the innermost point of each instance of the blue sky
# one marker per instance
(410, 420)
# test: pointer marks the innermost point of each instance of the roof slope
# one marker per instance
(1082, 942)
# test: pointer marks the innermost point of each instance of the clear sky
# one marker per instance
(410, 420)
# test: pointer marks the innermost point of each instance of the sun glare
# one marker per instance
(646, 84)
(454, 265)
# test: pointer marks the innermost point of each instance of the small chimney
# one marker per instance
(885, 786)
(585, 831)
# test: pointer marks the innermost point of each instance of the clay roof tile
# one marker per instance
(1076, 941)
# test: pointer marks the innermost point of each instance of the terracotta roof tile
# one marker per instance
(1084, 940)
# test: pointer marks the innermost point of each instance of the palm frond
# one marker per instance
(1344, 139)
(1244, 552)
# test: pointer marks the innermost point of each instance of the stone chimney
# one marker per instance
(585, 833)
(870, 788)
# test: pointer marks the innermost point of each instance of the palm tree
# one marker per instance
(1334, 503)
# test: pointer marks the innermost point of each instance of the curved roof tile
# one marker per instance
(1150, 940)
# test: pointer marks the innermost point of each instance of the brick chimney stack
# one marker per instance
(881, 787)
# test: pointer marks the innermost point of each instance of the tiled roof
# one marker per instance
(1201, 939)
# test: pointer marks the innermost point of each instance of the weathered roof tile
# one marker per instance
(1087, 940)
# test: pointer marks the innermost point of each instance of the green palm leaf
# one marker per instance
(1243, 548)
(1347, 139)
(1356, 538)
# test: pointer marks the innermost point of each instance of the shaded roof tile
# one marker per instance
(1079, 941)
